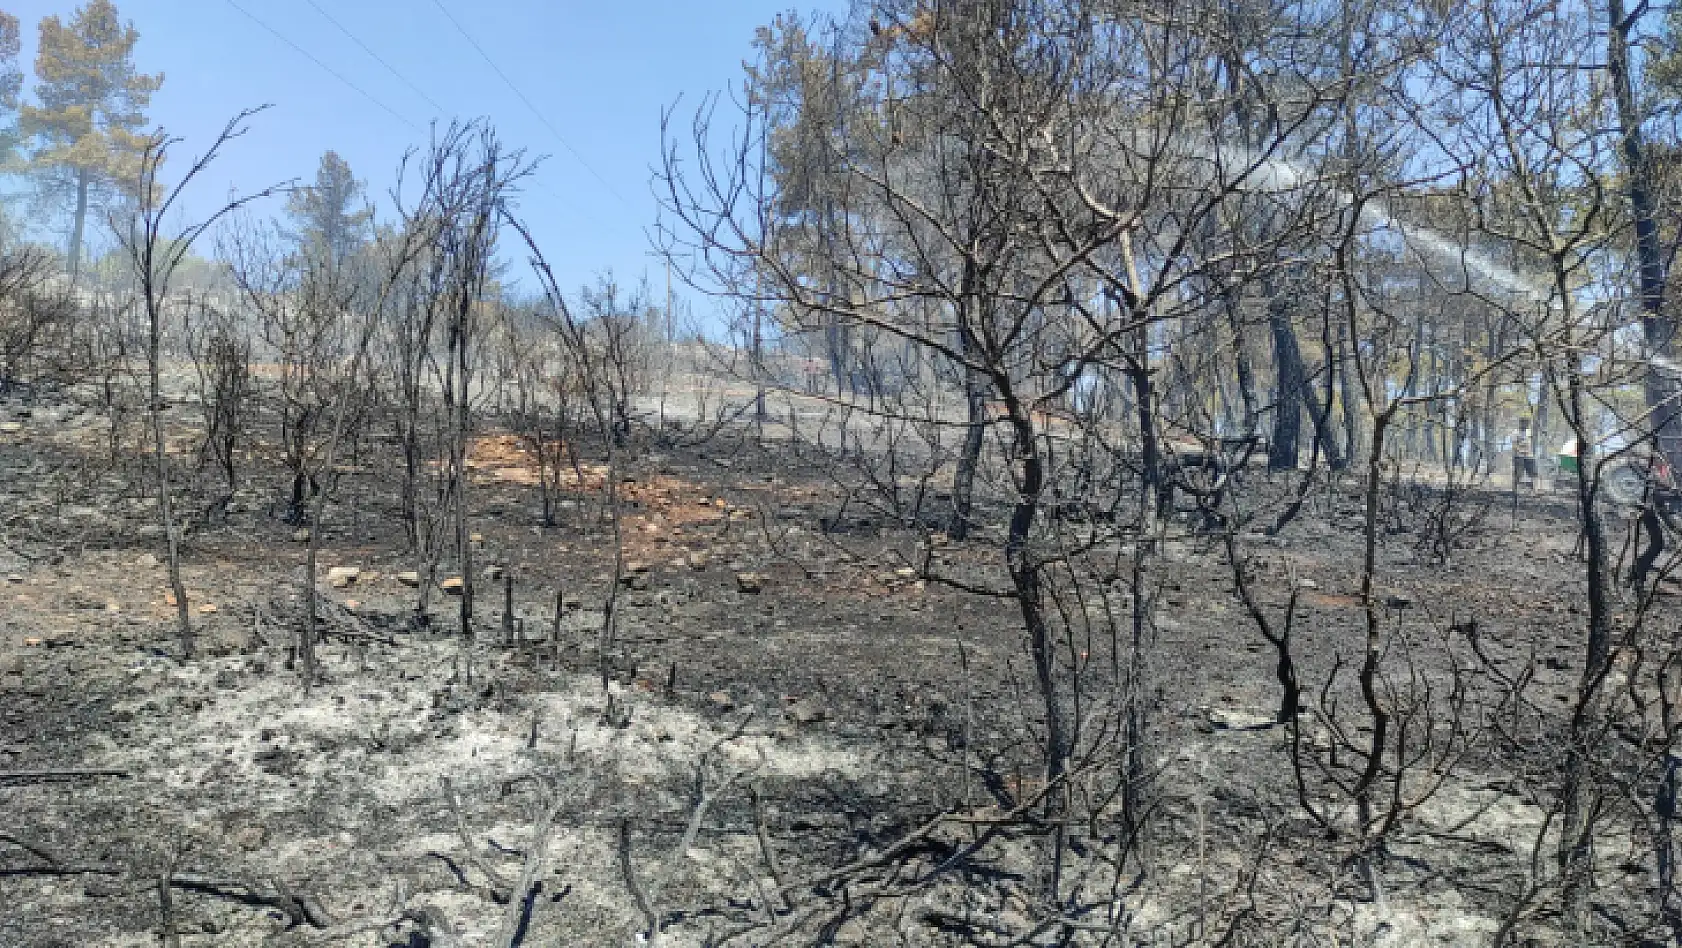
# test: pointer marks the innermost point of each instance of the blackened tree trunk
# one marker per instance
(1246, 372)
(1658, 327)
(1319, 406)
(1576, 839)
(78, 225)
(1024, 568)
(975, 417)
(1663, 388)
(1349, 395)
(969, 458)
(1289, 383)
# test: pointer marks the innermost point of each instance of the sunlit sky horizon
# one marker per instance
(589, 82)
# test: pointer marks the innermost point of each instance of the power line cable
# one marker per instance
(399, 116)
(325, 68)
(436, 108)
(534, 110)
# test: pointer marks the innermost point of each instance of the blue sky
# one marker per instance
(599, 72)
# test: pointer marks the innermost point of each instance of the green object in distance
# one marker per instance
(1568, 457)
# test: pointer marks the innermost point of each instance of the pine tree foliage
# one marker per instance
(87, 125)
(329, 220)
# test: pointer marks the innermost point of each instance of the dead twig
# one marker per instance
(298, 909)
(427, 919)
(30, 848)
(766, 852)
(499, 887)
(166, 908)
(514, 918)
(627, 871)
(61, 870)
(66, 774)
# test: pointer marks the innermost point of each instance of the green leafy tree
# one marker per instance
(330, 219)
(11, 88)
(11, 83)
(87, 127)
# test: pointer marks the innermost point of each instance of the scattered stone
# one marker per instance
(807, 710)
(409, 578)
(276, 760)
(340, 577)
(452, 586)
(81, 600)
(250, 837)
(749, 583)
(1227, 719)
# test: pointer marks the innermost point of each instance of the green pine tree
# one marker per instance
(86, 129)
(11, 84)
(11, 88)
(329, 220)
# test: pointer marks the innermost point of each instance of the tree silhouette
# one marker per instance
(329, 226)
(87, 126)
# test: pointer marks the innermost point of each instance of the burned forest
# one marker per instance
(1074, 472)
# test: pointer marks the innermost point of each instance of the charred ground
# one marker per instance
(800, 672)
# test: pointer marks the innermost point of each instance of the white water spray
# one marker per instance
(1428, 242)
(1279, 175)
